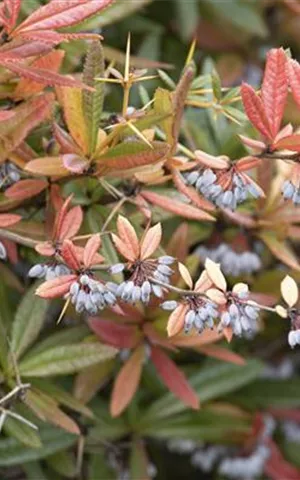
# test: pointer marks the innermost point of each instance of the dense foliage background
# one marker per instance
(62, 413)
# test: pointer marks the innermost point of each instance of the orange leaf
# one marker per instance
(8, 219)
(293, 71)
(26, 189)
(216, 276)
(291, 142)
(177, 207)
(280, 250)
(151, 241)
(45, 249)
(65, 141)
(185, 274)
(60, 217)
(190, 192)
(247, 163)
(128, 235)
(174, 378)
(176, 320)
(122, 248)
(69, 254)
(222, 354)
(51, 62)
(6, 115)
(49, 166)
(275, 88)
(56, 287)
(90, 250)
(127, 382)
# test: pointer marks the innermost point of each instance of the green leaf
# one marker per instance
(65, 359)
(12, 452)
(33, 470)
(67, 336)
(242, 14)
(291, 452)
(188, 17)
(210, 382)
(216, 84)
(269, 393)
(98, 467)
(93, 101)
(63, 463)
(22, 433)
(28, 321)
(138, 460)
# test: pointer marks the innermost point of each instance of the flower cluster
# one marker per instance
(90, 295)
(144, 274)
(223, 183)
(200, 313)
(290, 294)
(231, 262)
(48, 271)
(9, 174)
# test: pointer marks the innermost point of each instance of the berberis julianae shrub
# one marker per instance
(127, 230)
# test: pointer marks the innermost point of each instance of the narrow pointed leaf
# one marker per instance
(26, 189)
(255, 110)
(151, 241)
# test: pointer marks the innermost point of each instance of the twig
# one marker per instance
(15, 237)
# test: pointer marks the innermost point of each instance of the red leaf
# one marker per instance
(91, 249)
(127, 382)
(277, 468)
(12, 8)
(58, 14)
(173, 378)
(11, 250)
(71, 223)
(115, 334)
(293, 71)
(174, 206)
(69, 254)
(26, 189)
(275, 89)
(45, 248)
(56, 287)
(60, 218)
(123, 248)
(255, 111)
(8, 219)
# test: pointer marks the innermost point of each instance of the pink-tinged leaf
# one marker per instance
(8, 219)
(176, 320)
(91, 249)
(185, 275)
(17, 49)
(203, 283)
(123, 248)
(222, 354)
(255, 111)
(174, 378)
(46, 249)
(65, 141)
(51, 62)
(275, 88)
(293, 71)
(239, 218)
(216, 276)
(177, 207)
(151, 241)
(6, 115)
(26, 189)
(286, 131)
(292, 142)
(11, 250)
(247, 163)
(256, 145)
(69, 254)
(41, 75)
(190, 192)
(52, 38)
(71, 223)
(75, 163)
(12, 8)
(285, 414)
(56, 288)
(127, 382)
(127, 234)
(155, 338)
(58, 14)
(115, 334)
(217, 163)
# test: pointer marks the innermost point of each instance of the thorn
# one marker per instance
(191, 52)
(127, 60)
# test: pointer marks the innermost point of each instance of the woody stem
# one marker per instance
(15, 237)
